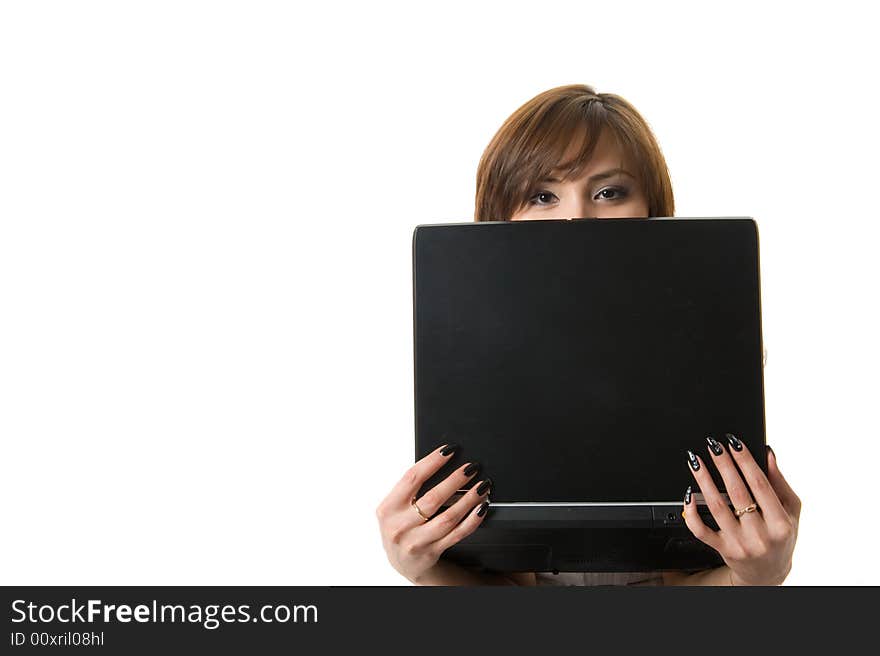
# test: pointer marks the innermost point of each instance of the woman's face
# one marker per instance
(607, 189)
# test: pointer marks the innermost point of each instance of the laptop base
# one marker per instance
(585, 539)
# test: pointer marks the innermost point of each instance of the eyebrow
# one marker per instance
(599, 176)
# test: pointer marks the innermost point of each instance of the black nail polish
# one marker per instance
(716, 447)
(485, 485)
(687, 496)
(695, 464)
(483, 507)
(770, 449)
(471, 468)
(735, 443)
(449, 448)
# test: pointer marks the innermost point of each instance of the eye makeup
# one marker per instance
(619, 194)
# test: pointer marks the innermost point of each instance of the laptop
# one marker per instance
(577, 361)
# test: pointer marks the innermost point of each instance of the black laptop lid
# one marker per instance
(578, 360)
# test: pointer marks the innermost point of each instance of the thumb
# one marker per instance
(790, 501)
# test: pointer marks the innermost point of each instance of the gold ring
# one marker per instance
(747, 509)
(416, 506)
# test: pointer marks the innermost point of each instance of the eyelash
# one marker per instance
(621, 194)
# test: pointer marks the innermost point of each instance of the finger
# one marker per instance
(402, 493)
(714, 501)
(472, 505)
(790, 501)
(737, 490)
(445, 522)
(695, 523)
(431, 501)
(761, 489)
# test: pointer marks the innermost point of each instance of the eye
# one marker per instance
(542, 198)
(611, 193)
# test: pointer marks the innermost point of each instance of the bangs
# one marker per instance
(569, 129)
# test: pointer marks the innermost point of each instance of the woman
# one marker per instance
(570, 152)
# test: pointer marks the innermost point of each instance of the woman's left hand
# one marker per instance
(757, 546)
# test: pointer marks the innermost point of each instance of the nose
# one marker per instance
(577, 208)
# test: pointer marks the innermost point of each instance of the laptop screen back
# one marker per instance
(578, 360)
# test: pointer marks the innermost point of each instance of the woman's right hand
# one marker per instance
(414, 545)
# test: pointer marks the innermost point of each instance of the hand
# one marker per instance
(414, 545)
(757, 546)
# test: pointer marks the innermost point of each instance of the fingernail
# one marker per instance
(449, 448)
(716, 447)
(735, 443)
(695, 464)
(471, 468)
(483, 507)
(687, 496)
(770, 449)
(485, 485)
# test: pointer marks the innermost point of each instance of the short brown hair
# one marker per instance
(532, 142)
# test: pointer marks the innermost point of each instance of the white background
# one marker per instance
(206, 212)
